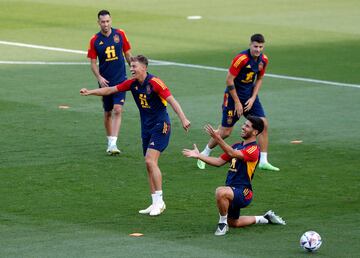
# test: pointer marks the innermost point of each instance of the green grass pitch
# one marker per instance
(62, 196)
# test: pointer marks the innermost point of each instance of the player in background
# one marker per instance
(244, 80)
(110, 45)
(151, 96)
(243, 158)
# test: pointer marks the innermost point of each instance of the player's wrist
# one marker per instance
(231, 87)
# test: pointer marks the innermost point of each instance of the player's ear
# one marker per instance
(255, 132)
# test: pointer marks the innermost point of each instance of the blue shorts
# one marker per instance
(229, 118)
(157, 138)
(109, 101)
(242, 198)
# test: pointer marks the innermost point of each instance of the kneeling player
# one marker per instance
(237, 194)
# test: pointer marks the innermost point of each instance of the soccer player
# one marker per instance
(110, 45)
(237, 194)
(243, 82)
(151, 96)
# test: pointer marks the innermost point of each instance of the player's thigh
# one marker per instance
(108, 103)
(119, 98)
(256, 109)
(160, 136)
(229, 118)
(242, 198)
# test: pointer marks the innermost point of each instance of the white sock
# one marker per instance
(261, 220)
(223, 219)
(206, 151)
(159, 196)
(263, 157)
(153, 198)
(109, 140)
(114, 140)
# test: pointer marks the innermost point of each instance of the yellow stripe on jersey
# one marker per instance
(124, 34)
(239, 60)
(251, 149)
(163, 101)
(251, 168)
(160, 82)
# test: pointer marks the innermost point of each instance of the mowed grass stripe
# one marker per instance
(186, 65)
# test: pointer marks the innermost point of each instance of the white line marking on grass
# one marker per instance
(159, 62)
(43, 63)
(17, 44)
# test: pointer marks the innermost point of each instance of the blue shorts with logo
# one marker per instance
(109, 101)
(242, 198)
(229, 118)
(157, 137)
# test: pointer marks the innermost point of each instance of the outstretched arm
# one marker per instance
(223, 145)
(178, 110)
(213, 161)
(98, 92)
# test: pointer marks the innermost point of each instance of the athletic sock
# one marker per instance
(263, 157)
(159, 196)
(114, 140)
(206, 151)
(109, 138)
(261, 220)
(153, 198)
(223, 219)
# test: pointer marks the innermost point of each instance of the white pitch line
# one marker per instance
(159, 62)
(42, 63)
(59, 63)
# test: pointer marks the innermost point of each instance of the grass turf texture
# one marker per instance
(61, 196)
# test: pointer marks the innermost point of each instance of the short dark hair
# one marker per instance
(257, 123)
(140, 58)
(103, 12)
(257, 38)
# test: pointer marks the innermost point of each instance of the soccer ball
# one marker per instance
(310, 241)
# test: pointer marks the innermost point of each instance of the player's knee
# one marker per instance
(117, 110)
(225, 132)
(150, 162)
(220, 192)
(107, 115)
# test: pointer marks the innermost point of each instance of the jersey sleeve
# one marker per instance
(160, 88)
(251, 153)
(225, 156)
(237, 63)
(126, 43)
(91, 50)
(263, 66)
(125, 86)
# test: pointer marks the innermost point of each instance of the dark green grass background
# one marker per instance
(61, 196)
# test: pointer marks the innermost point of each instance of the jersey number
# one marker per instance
(110, 53)
(143, 101)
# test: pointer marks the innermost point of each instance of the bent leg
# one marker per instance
(242, 221)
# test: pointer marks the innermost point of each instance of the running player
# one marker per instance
(151, 96)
